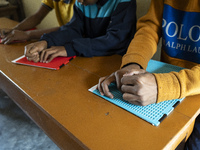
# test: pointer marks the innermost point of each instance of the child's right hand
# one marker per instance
(32, 51)
(116, 77)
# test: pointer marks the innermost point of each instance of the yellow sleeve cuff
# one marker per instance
(168, 86)
(48, 3)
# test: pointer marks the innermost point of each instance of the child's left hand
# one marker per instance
(49, 54)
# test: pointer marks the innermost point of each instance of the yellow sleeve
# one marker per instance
(144, 44)
(48, 3)
(178, 84)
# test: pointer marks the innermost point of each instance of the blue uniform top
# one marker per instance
(105, 28)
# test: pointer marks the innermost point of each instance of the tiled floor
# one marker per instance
(17, 131)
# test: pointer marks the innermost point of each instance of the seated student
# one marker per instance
(98, 28)
(64, 12)
(179, 25)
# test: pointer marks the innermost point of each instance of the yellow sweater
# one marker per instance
(63, 9)
(178, 23)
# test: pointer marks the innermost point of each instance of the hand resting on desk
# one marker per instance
(138, 86)
(4, 32)
(8, 36)
(38, 51)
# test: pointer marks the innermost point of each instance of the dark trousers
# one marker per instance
(193, 142)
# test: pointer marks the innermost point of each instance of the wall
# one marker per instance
(31, 6)
(142, 7)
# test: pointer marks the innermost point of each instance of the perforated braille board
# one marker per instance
(153, 113)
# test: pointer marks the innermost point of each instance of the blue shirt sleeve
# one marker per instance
(66, 33)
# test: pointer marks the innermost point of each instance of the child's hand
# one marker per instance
(32, 51)
(139, 88)
(48, 55)
(104, 82)
(4, 32)
(15, 35)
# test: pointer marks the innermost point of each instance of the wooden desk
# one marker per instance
(60, 104)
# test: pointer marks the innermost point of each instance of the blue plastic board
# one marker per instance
(153, 113)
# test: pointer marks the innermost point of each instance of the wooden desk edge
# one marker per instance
(63, 138)
(182, 135)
